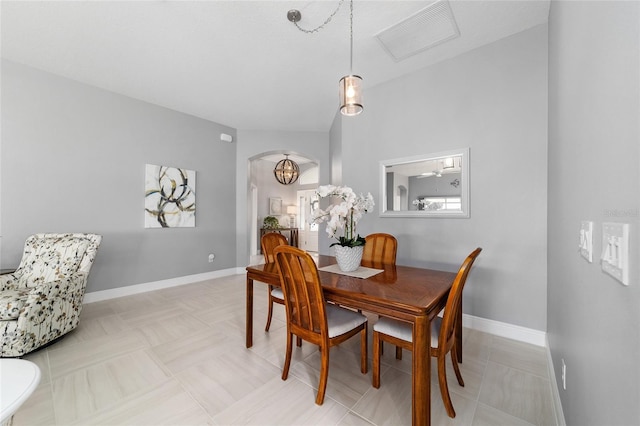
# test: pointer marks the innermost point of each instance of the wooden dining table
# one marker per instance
(410, 294)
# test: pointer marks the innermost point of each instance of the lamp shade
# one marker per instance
(286, 171)
(351, 95)
(292, 210)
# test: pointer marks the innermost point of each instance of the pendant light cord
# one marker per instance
(295, 18)
(321, 26)
(350, 91)
(351, 37)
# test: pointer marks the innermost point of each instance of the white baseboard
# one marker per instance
(98, 296)
(555, 392)
(502, 329)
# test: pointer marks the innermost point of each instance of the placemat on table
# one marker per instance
(361, 272)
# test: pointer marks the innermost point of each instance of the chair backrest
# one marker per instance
(49, 257)
(269, 242)
(380, 248)
(303, 297)
(453, 301)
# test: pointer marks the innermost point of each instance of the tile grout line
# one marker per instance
(53, 406)
(482, 382)
(194, 399)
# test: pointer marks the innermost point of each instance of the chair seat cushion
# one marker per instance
(341, 320)
(11, 302)
(277, 293)
(404, 331)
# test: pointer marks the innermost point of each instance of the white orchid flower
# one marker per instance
(343, 215)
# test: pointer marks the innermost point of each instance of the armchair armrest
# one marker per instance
(72, 285)
(52, 297)
(8, 282)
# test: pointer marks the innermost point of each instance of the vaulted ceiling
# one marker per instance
(239, 63)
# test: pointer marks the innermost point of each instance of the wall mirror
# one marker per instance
(431, 185)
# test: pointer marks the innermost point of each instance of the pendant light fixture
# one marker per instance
(350, 86)
(286, 171)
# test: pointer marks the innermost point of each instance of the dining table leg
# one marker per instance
(421, 372)
(249, 315)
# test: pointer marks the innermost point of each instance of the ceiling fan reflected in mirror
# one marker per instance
(436, 173)
(447, 165)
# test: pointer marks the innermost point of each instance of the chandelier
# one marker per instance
(350, 86)
(286, 171)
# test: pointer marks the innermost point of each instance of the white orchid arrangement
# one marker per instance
(343, 215)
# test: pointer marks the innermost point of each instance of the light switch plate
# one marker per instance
(586, 240)
(615, 250)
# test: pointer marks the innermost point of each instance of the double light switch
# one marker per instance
(615, 251)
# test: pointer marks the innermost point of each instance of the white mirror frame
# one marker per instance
(464, 186)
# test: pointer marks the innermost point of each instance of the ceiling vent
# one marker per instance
(423, 30)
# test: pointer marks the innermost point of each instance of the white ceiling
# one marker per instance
(238, 63)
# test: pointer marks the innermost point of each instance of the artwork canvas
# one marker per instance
(275, 206)
(170, 197)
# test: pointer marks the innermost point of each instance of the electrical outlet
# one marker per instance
(211, 257)
(564, 375)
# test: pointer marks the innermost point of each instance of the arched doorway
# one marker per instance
(265, 192)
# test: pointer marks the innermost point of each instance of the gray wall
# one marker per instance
(336, 150)
(594, 163)
(73, 159)
(493, 100)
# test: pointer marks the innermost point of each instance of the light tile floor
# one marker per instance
(177, 357)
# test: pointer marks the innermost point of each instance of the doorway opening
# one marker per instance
(269, 198)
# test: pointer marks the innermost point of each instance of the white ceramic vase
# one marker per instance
(348, 257)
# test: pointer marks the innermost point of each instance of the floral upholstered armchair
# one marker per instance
(42, 299)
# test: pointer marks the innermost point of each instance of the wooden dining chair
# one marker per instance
(380, 248)
(310, 317)
(269, 242)
(443, 339)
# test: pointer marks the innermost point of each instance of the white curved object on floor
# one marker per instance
(18, 379)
